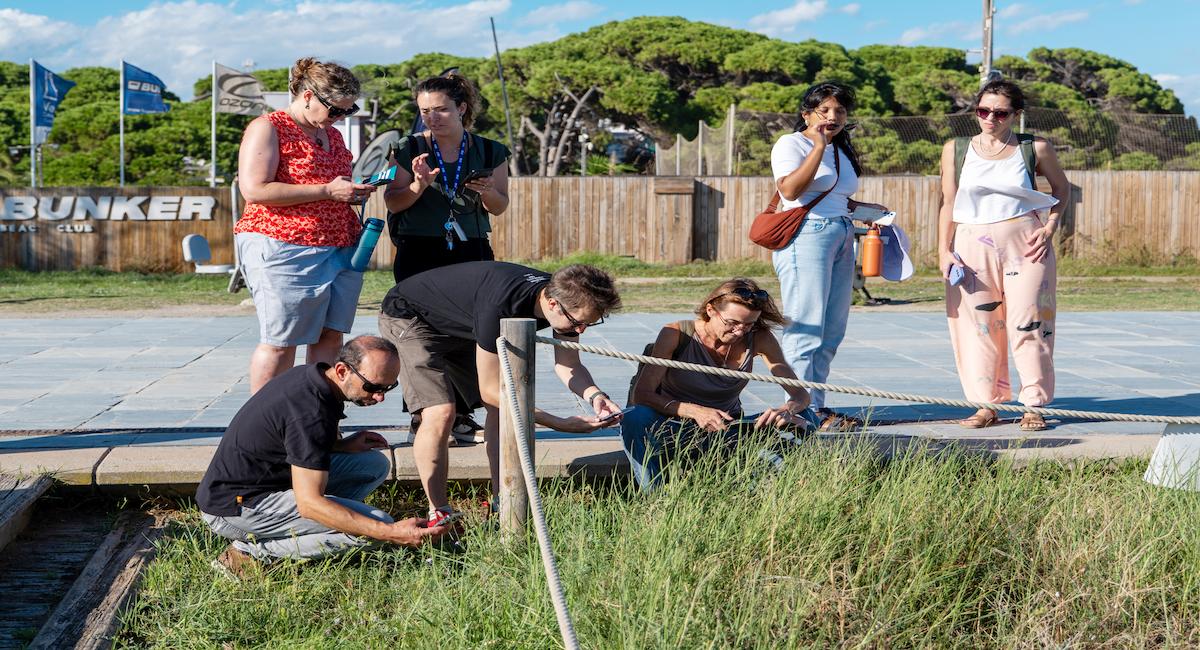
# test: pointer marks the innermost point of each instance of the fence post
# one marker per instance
(514, 499)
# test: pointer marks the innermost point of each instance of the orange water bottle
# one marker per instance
(872, 252)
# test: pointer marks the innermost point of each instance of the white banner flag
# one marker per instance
(238, 92)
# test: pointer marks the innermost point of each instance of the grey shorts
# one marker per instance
(298, 290)
(432, 365)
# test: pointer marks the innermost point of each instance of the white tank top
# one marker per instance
(996, 190)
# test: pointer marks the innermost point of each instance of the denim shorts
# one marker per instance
(298, 290)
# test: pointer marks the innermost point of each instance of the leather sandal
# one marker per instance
(1033, 422)
(833, 421)
(982, 419)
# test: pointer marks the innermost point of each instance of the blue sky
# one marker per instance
(178, 40)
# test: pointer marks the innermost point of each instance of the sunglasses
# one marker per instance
(999, 115)
(575, 323)
(335, 112)
(754, 297)
(734, 325)
(368, 385)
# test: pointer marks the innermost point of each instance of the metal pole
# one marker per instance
(212, 176)
(504, 93)
(32, 129)
(121, 104)
(514, 499)
(729, 148)
(985, 69)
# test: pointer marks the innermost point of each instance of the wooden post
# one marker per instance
(514, 498)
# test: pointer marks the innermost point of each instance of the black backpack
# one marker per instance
(687, 328)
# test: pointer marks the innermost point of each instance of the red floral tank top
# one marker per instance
(302, 162)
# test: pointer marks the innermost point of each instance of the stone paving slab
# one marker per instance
(163, 389)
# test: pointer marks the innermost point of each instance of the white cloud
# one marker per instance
(1047, 22)
(1012, 10)
(23, 35)
(561, 13)
(941, 32)
(851, 9)
(782, 21)
(179, 40)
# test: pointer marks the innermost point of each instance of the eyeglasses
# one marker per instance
(999, 115)
(575, 323)
(754, 297)
(335, 112)
(370, 386)
(734, 325)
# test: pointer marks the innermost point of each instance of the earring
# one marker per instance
(306, 106)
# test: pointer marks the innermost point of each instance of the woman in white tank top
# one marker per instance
(995, 242)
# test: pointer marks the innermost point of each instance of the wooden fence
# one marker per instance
(1146, 215)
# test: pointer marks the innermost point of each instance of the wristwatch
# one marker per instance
(591, 399)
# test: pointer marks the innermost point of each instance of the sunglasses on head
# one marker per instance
(368, 385)
(1000, 115)
(335, 112)
(746, 294)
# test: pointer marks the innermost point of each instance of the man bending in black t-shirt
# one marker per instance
(445, 323)
(283, 483)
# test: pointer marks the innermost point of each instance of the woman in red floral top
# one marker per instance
(298, 230)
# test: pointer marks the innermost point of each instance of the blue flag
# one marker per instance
(48, 90)
(143, 92)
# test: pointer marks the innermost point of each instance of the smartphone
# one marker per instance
(382, 177)
(476, 175)
(611, 416)
(451, 519)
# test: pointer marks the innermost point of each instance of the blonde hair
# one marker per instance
(329, 80)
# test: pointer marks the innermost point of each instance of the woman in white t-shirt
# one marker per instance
(997, 229)
(816, 269)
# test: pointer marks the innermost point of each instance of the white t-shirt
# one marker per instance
(787, 154)
(991, 191)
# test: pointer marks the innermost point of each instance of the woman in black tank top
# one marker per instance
(681, 408)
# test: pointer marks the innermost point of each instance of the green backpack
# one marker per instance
(1024, 140)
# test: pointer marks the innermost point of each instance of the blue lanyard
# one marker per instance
(462, 149)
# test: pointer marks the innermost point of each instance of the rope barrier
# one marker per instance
(867, 392)
(565, 627)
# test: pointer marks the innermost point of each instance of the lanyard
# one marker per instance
(451, 224)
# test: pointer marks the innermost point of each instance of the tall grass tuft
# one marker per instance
(836, 549)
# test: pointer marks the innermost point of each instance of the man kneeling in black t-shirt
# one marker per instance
(445, 323)
(283, 483)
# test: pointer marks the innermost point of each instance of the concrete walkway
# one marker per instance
(143, 400)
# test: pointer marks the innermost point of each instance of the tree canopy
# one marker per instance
(657, 75)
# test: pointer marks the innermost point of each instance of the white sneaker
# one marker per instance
(466, 430)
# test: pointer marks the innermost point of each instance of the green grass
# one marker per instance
(836, 551)
(644, 287)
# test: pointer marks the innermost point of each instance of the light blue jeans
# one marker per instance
(816, 280)
(273, 527)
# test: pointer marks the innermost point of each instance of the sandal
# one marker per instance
(983, 418)
(833, 421)
(1033, 422)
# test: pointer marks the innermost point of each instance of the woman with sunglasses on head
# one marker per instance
(437, 214)
(816, 269)
(995, 249)
(298, 229)
(684, 409)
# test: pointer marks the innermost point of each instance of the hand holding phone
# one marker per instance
(613, 416)
(476, 175)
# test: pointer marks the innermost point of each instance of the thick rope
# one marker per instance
(867, 392)
(565, 627)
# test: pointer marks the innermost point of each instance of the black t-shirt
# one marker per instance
(292, 420)
(468, 300)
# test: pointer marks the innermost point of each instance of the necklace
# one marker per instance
(993, 154)
(716, 340)
(316, 131)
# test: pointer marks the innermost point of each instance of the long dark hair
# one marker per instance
(845, 96)
(458, 88)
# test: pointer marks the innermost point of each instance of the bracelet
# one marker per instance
(592, 398)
